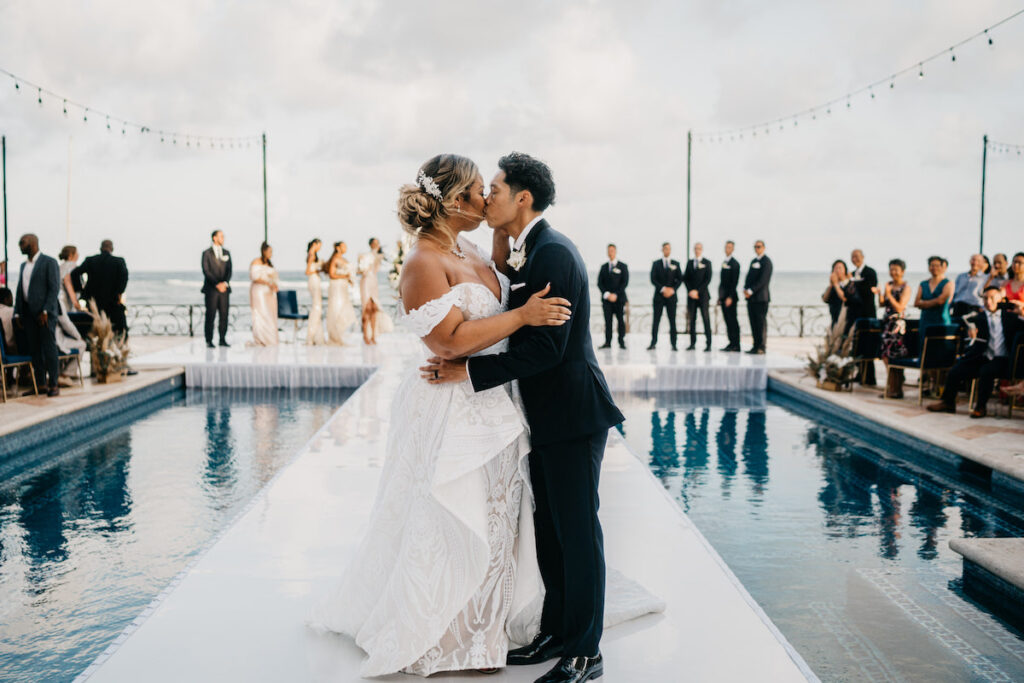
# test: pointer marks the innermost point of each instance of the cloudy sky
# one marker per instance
(355, 94)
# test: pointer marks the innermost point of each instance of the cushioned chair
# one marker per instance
(11, 361)
(867, 342)
(73, 356)
(288, 309)
(1016, 366)
(938, 353)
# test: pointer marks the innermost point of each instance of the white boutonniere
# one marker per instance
(700, 265)
(725, 265)
(225, 257)
(517, 259)
(617, 271)
(755, 264)
(672, 267)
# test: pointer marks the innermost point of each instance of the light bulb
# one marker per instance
(920, 71)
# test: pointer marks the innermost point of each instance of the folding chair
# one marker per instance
(288, 309)
(938, 354)
(11, 361)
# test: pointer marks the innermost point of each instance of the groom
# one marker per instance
(569, 410)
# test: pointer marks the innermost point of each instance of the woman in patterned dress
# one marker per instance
(895, 297)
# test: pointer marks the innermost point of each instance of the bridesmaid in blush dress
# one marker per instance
(263, 298)
(315, 331)
(340, 313)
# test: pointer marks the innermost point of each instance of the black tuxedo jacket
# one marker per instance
(728, 280)
(563, 388)
(698, 278)
(1012, 324)
(759, 275)
(42, 289)
(864, 306)
(107, 278)
(610, 281)
(216, 271)
(666, 277)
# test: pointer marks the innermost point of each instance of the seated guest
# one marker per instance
(7, 318)
(999, 275)
(987, 357)
(69, 340)
(933, 296)
(895, 297)
(1014, 287)
(967, 291)
(838, 293)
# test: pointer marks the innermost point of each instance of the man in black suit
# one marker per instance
(666, 276)
(612, 280)
(697, 279)
(865, 282)
(728, 297)
(106, 280)
(569, 410)
(988, 357)
(35, 306)
(217, 287)
(756, 291)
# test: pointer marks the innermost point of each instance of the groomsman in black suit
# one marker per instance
(35, 306)
(728, 297)
(612, 280)
(697, 279)
(217, 287)
(666, 276)
(106, 280)
(865, 281)
(755, 289)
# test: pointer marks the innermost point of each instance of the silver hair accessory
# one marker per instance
(429, 186)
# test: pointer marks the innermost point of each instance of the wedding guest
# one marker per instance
(263, 297)
(314, 266)
(895, 297)
(69, 341)
(374, 319)
(967, 289)
(728, 297)
(35, 304)
(838, 292)
(7, 318)
(217, 287)
(865, 282)
(666, 278)
(987, 357)
(340, 313)
(612, 280)
(758, 295)
(68, 262)
(106, 279)
(697, 279)
(1014, 287)
(933, 297)
(999, 275)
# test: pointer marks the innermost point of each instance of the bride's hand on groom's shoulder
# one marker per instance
(441, 371)
(543, 312)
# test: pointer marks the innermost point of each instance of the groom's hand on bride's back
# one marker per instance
(539, 311)
(441, 371)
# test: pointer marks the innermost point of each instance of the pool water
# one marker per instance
(843, 542)
(87, 541)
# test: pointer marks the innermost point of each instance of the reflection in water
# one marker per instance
(725, 439)
(755, 450)
(219, 472)
(664, 453)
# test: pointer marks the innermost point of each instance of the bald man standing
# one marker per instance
(35, 306)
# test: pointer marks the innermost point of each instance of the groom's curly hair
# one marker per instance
(523, 172)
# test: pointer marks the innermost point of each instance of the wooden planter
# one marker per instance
(110, 377)
(829, 385)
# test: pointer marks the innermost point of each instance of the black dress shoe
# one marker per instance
(210, 345)
(542, 649)
(707, 349)
(674, 348)
(30, 393)
(691, 347)
(53, 391)
(622, 345)
(575, 670)
(606, 345)
(651, 347)
(224, 344)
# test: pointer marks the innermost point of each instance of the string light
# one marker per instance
(1005, 147)
(917, 68)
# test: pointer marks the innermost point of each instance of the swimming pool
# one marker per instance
(89, 539)
(841, 540)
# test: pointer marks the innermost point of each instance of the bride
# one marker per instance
(447, 572)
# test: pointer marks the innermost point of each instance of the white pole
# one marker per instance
(67, 226)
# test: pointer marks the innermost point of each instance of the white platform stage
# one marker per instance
(289, 365)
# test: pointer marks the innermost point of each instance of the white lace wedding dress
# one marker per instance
(447, 574)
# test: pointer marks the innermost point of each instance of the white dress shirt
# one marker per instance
(218, 251)
(521, 240)
(611, 266)
(26, 274)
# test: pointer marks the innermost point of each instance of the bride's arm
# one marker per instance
(424, 280)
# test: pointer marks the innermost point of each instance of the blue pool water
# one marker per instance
(89, 539)
(841, 541)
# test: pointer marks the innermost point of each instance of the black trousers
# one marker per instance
(732, 324)
(692, 306)
(570, 544)
(115, 313)
(985, 370)
(959, 309)
(217, 305)
(614, 309)
(757, 312)
(668, 305)
(42, 346)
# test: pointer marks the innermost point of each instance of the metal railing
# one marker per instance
(783, 320)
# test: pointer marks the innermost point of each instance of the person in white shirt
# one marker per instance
(612, 280)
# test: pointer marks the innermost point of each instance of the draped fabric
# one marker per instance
(315, 325)
(340, 313)
(263, 301)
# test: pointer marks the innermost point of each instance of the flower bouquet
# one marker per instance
(107, 351)
(831, 364)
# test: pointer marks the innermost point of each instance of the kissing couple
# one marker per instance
(484, 547)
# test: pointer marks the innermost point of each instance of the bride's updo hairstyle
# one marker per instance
(421, 212)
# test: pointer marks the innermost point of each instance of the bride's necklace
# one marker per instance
(457, 251)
